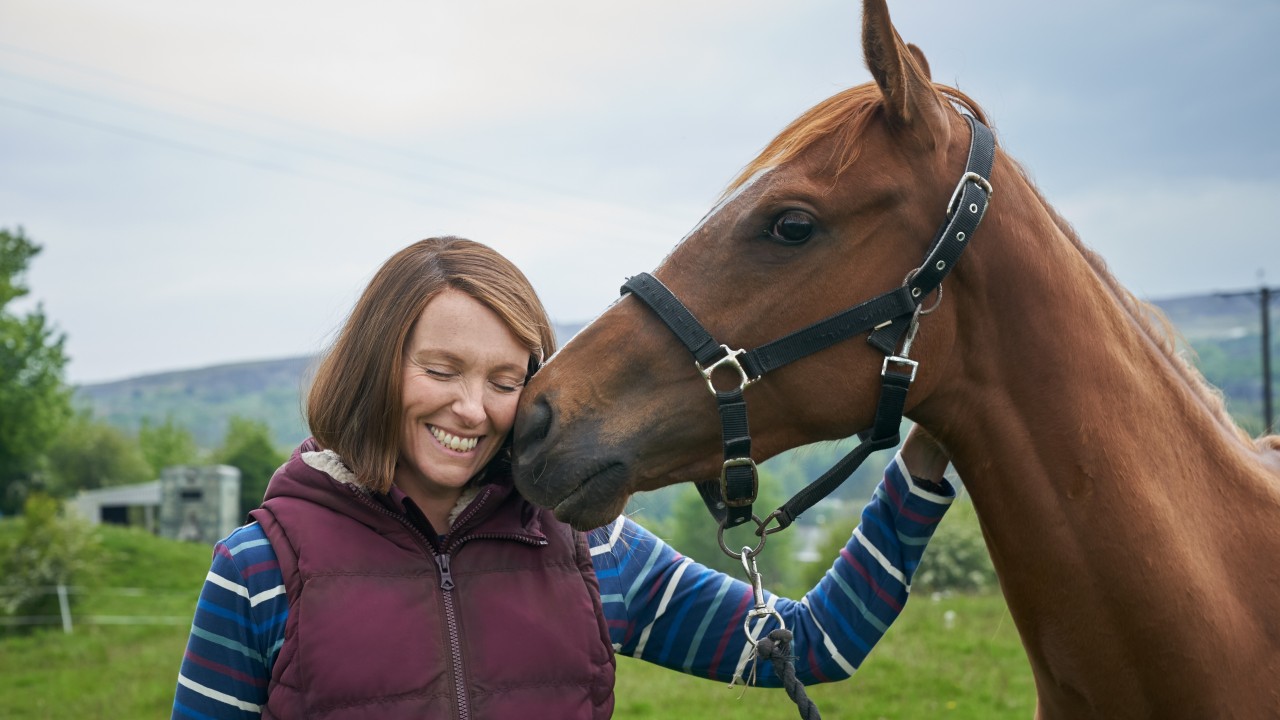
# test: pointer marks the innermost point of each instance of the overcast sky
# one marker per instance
(215, 182)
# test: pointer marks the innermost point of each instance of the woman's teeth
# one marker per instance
(453, 442)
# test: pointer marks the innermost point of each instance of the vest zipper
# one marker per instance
(446, 578)
(455, 642)
(450, 613)
(446, 582)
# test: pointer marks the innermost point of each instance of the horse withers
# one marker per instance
(1134, 527)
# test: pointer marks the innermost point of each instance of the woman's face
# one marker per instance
(463, 373)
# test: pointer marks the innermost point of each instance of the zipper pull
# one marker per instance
(446, 578)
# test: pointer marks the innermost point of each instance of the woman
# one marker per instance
(393, 571)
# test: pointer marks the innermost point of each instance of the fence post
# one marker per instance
(66, 608)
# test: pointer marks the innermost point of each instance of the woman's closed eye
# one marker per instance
(507, 387)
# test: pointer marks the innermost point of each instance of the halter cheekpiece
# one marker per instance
(890, 320)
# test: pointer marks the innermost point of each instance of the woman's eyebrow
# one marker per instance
(442, 355)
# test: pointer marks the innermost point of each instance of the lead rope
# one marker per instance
(776, 646)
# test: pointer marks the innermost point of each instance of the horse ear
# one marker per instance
(918, 54)
(902, 72)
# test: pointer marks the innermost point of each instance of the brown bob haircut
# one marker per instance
(354, 405)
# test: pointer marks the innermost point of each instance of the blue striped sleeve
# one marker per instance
(236, 633)
(667, 609)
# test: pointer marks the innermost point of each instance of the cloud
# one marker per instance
(237, 171)
(1164, 236)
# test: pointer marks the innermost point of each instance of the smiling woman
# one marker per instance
(393, 570)
(461, 382)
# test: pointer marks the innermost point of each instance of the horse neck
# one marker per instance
(1085, 449)
(1050, 353)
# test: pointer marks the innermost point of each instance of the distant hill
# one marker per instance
(204, 399)
(1214, 317)
(1223, 331)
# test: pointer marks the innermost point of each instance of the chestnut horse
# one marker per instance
(1135, 529)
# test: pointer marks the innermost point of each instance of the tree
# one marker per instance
(692, 531)
(248, 448)
(90, 453)
(34, 399)
(167, 444)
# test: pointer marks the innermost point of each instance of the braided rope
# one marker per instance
(776, 648)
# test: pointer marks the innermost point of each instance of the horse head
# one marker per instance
(837, 209)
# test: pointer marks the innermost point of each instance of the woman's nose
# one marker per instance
(469, 404)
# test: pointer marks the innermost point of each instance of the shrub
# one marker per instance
(957, 557)
(44, 550)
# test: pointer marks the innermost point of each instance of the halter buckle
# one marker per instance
(731, 359)
(970, 176)
(724, 481)
(884, 368)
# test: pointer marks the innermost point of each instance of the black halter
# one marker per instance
(888, 318)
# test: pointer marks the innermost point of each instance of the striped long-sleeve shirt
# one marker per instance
(659, 605)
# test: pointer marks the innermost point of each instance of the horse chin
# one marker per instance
(586, 497)
(595, 502)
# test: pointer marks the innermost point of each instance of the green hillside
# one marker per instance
(204, 399)
(1223, 330)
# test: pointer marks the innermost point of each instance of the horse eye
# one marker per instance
(792, 227)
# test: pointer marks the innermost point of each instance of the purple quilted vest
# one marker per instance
(503, 621)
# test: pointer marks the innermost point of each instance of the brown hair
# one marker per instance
(354, 405)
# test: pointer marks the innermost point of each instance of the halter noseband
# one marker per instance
(888, 318)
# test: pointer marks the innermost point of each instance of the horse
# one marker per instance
(1133, 526)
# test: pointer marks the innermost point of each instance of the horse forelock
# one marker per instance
(843, 117)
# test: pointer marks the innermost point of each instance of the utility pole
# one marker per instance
(1268, 417)
(1264, 296)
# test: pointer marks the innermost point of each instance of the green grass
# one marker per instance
(922, 668)
(110, 671)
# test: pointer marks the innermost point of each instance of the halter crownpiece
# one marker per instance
(887, 319)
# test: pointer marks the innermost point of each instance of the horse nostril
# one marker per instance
(532, 426)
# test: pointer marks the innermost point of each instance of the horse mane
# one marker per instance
(1150, 320)
(844, 118)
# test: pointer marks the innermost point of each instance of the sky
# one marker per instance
(216, 182)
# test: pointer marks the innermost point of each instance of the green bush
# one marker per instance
(44, 550)
(956, 558)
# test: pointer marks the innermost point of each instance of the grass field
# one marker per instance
(926, 667)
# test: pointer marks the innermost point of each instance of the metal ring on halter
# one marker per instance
(764, 528)
(746, 553)
(936, 303)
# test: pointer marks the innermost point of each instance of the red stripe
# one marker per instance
(918, 518)
(734, 624)
(260, 567)
(857, 566)
(813, 664)
(891, 489)
(224, 670)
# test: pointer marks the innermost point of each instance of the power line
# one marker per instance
(479, 193)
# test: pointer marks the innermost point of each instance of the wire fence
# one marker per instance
(69, 620)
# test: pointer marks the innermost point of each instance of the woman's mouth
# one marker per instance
(453, 442)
